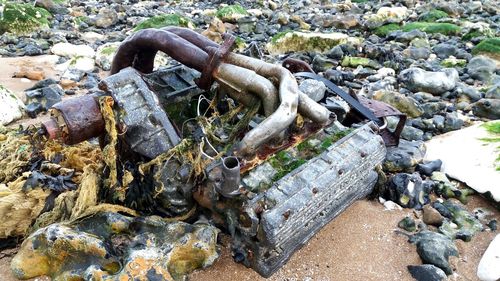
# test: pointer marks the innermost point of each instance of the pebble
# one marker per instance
(431, 216)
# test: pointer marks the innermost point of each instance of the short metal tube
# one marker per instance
(229, 186)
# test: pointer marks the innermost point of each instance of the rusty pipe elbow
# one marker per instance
(245, 80)
(313, 110)
(139, 50)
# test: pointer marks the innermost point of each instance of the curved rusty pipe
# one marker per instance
(307, 107)
(241, 80)
(139, 51)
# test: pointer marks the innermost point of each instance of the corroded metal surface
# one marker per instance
(148, 131)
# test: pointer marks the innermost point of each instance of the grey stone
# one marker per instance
(411, 133)
(106, 18)
(426, 272)
(407, 190)
(416, 80)
(314, 89)
(452, 122)
(487, 108)
(469, 93)
(435, 248)
(481, 68)
(335, 53)
(405, 156)
(493, 92)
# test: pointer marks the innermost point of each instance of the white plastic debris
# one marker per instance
(11, 107)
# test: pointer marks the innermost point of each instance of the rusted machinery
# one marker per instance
(259, 157)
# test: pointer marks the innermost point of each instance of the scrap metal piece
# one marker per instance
(174, 84)
(305, 200)
(75, 120)
(148, 131)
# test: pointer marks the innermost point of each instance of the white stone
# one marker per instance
(105, 54)
(489, 266)
(91, 36)
(468, 159)
(11, 107)
(84, 64)
(71, 50)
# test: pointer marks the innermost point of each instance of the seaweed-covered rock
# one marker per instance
(416, 80)
(21, 18)
(407, 224)
(105, 54)
(408, 190)
(433, 27)
(232, 13)
(464, 226)
(405, 104)
(435, 248)
(387, 15)
(489, 47)
(293, 41)
(164, 20)
(111, 246)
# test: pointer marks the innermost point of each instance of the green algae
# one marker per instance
(19, 18)
(384, 30)
(433, 15)
(488, 46)
(433, 27)
(164, 20)
(279, 35)
(357, 61)
(230, 11)
(493, 128)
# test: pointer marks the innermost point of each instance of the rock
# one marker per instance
(42, 84)
(467, 93)
(416, 79)
(293, 41)
(426, 272)
(488, 47)
(32, 50)
(408, 191)
(32, 74)
(452, 122)
(475, 166)
(445, 50)
(428, 168)
(463, 224)
(453, 62)
(487, 108)
(12, 106)
(47, 96)
(417, 53)
(411, 133)
(358, 61)
(83, 64)
(493, 92)
(51, 6)
(164, 20)
(347, 21)
(481, 68)
(231, 13)
(387, 15)
(114, 247)
(33, 109)
(70, 50)
(321, 63)
(431, 216)
(435, 248)
(404, 157)
(407, 224)
(492, 224)
(403, 103)
(314, 89)
(105, 18)
(488, 269)
(335, 53)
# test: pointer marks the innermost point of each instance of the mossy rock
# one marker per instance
(433, 15)
(433, 27)
(357, 61)
(384, 30)
(489, 47)
(164, 20)
(19, 18)
(452, 62)
(231, 13)
(293, 41)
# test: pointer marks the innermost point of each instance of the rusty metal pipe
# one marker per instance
(140, 49)
(307, 107)
(75, 120)
(243, 80)
(281, 119)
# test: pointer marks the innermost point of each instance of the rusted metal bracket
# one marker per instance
(214, 59)
(372, 110)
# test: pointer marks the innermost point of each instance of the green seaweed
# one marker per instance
(433, 15)
(279, 35)
(164, 20)
(433, 27)
(384, 30)
(493, 128)
(488, 45)
(284, 162)
(228, 11)
(20, 18)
